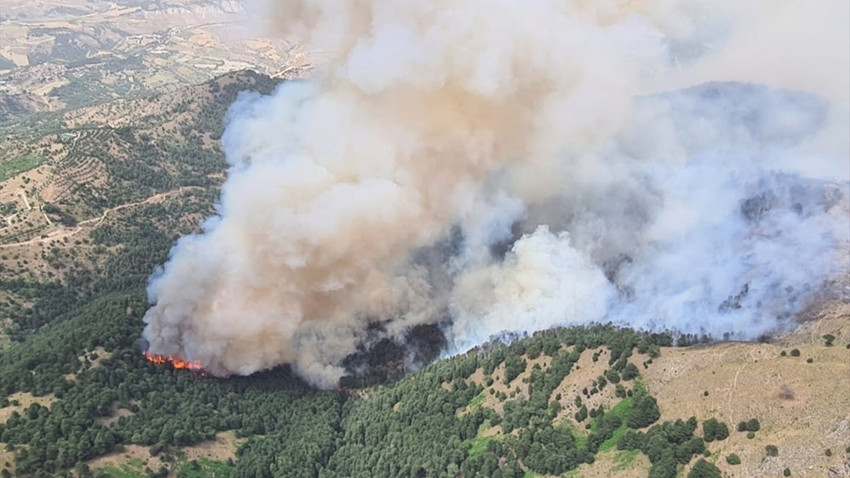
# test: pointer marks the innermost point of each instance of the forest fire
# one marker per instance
(176, 362)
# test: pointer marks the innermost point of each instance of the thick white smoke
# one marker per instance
(519, 165)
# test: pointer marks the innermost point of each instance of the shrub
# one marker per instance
(513, 367)
(704, 469)
(644, 412)
(829, 339)
(828, 452)
(753, 425)
(714, 430)
(620, 391)
(771, 450)
(786, 472)
(809, 360)
(630, 372)
(733, 459)
(795, 352)
(750, 435)
(581, 414)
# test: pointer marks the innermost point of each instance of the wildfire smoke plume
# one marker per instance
(485, 166)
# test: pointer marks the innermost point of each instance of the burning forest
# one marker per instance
(175, 362)
(452, 171)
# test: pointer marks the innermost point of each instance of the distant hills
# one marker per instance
(78, 53)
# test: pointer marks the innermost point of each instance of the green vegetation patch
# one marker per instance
(477, 400)
(19, 165)
(128, 470)
(622, 410)
(205, 468)
(478, 444)
(624, 460)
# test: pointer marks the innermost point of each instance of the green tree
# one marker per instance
(630, 372)
(714, 430)
(644, 411)
(753, 425)
(704, 469)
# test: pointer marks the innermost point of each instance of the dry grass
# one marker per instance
(130, 452)
(221, 449)
(615, 463)
(749, 380)
(803, 407)
(24, 399)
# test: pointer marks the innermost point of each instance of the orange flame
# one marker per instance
(176, 362)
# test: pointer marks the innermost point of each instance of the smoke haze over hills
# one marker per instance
(513, 166)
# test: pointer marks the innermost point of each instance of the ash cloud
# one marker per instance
(484, 167)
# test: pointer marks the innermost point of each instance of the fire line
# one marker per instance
(176, 362)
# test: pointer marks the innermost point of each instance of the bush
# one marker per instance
(581, 414)
(733, 459)
(771, 450)
(714, 430)
(644, 412)
(828, 340)
(513, 367)
(809, 360)
(704, 469)
(750, 435)
(795, 352)
(630, 372)
(753, 425)
(786, 472)
(828, 452)
(620, 391)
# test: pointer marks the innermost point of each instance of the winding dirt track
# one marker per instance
(62, 232)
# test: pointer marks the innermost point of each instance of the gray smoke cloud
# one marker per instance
(495, 166)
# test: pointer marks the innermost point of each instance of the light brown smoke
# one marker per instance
(422, 116)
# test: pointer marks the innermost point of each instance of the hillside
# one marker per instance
(57, 55)
(94, 197)
(69, 176)
(80, 396)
